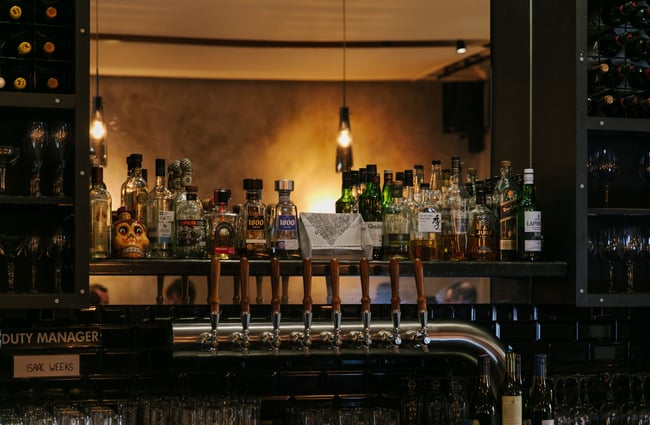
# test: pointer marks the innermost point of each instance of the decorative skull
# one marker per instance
(129, 236)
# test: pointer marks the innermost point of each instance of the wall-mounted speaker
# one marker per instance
(463, 111)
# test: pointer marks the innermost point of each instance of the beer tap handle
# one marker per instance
(336, 304)
(364, 274)
(275, 285)
(421, 301)
(213, 282)
(395, 300)
(306, 285)
(243, 277)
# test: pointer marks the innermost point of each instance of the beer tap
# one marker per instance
(273, 338)
(395, 301)
(364, 274)
(208, 341)
(242, 339)
(334, 337)
(422, 337)
(306, 304)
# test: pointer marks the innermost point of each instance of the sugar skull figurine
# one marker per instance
(129, 236)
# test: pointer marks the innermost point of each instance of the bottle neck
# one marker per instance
(284, 196)
(160, 181)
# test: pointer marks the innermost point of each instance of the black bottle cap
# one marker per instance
(136, 160)
(354, 177)
(371, 169)
(221, 196)
(346, 179)
(259, 184)
(249, 184)
(408, 178)
(160, 167)
(97, 175)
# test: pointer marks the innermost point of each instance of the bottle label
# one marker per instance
(533, 221)
(162, 230)
(288, 244)
(508, 225)
(255, 223)
(190, 233)
(375, 231)
(224, 239)
(287, 223)
(430, 222)
(511, 410)
(548, 421)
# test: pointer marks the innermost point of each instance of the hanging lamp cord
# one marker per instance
(97, 48)
(344, 50)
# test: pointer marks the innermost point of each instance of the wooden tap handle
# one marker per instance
(336, 294)
(394, 284)
(275, 285)
(213, 285)
(419, 284)
(364, 274)
(306, 285)
(243, 276)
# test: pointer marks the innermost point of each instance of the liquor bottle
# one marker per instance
(160, 222)
(396, 231)
(253, 231)
(482, 230)
(222, 225)
(539, 406)
(510, 394)
(354, 185)
(426, 229)
(129, 176)
(470, 186)
(610, 43)
(618, 15)
(507, 196)
(136, 195)
(530, 220)
(637, 48)
(455, 214)
(605, 74)
(283, 223)
(386, 190)
(370, 209)
(446, 176)
(408, 190)
(418, 179)
(435, 182)
(190, 227)
(363, 180)
(174, 177)
(185, 180)
(346, 203)
(638, 77)
(483, 407)
(100, 216)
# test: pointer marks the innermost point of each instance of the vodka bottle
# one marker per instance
(160, 222)
(283, 223)
(253, 231)
(222, 225)
(396, 229)
(507, 197)
(190, 227)
(100, 216)
(425, 241)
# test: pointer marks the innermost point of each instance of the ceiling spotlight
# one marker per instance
(461, 47)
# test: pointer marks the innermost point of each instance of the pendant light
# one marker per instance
(344, 139)
(98, 142)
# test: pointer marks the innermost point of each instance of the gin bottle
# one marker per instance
(426, 229)
(100, 216)
(370, 209)
(222, 227)
(283, 223)
(160, 223)
(507, 197)
(190, 227)
(346, 203)
(530, 220)
(252, 222)
(396, 231)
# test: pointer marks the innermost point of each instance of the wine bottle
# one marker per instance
(540, 408)
(605, 74)
(618, 15)
(637, 48)
(510, 394)
(483, 406)
(346, 203)
(530, 220)
(51, 12)
(613, 104)
(16, 45)
(370, 209)
(15, 11)
(16, 78)
(640, 19)
(638, 77)
(611, 43)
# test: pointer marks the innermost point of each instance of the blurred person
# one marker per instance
(98, 294)
(174, 292)
(461, 292)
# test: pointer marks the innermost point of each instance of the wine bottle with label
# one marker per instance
(540, 408)
(510, 394)
(483, 407)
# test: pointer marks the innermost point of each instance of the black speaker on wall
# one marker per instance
(463, 111)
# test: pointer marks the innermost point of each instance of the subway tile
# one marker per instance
(603, 330)
(568, 353)
(558, 330)
(609, 352)
(518, 331)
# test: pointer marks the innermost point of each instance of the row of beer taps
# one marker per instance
(303, 336)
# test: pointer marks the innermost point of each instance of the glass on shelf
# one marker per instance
(34, 145)
(8, 156)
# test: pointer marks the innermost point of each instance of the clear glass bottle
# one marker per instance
(129, 176)
(540, 405)
(253, 231)
(222, 225)
(370, 209)
(100, 216)
(507, 197)
(530, 220)
(136, 195)
(483, 406)
(426, 229)
(354, 184)
(346, 203)
(283, 223)
(510, 394)
(455, 215)
(160, 223)
(418, 179)
(190, 227)
(396, 231)
(482, 230)
(185, 180)
(435, 182)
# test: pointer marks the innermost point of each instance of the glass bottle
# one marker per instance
(426, 229)
(539, 406)
(222, 225)
(363, 180)
(396, 231)
(252, 222)
(386, 190)
(482, 230)
(455, 214)
(100, 216)
(370, 209)
(283, 223)
(507, 197)
(185, 180)
(129, 176)
(619, 14)
(190, 227)
(418, 179)
(483, 406)
(174, 177)
(510, 394)
(530, 220)
(136, 195)
(346, 203)
(160, 223)
(470, 186)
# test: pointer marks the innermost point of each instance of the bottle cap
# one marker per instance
(408, 178)
(160, 167)
(249, 184)
(221, 196)
(506, 163)
(346, 179)
(52, 83)
(435, 162)
(284, 185)
(96, 175)
(354, 177)
(371, 169)
(51, 12)
(259, 184)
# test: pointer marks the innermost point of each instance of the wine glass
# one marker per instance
(10, 248)
(608, 246)
(631, 248)
(34, 252)
(609, 411)
(60, 147)
(604, 165)
(583, 413)
(8, 157)
(35, 143)
(59, 243)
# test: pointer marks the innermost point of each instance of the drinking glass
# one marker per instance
(609, 411)
(34, 252)
(630, 250)
(60, 148)
(8, 157)
(608, 247)
(584, 412)
(11, 247)
(35, 142)
(59, 244)
(604, 166)
(642, 411)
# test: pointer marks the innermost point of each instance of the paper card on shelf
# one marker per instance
(327, 235)
(47, 366)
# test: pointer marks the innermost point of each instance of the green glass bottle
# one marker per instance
(530, 220)
(483, 406)
(346, 203)
(396, 232)
(539, 406)
(370, 209)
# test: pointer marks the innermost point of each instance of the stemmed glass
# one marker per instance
(35, 143)
(34, 251)
(609, 411)
(583, 413)
(60, 146)
(608, 247)
(631, 248)
(10, 248)
(604, 166)
(8, 157)
(59, 243)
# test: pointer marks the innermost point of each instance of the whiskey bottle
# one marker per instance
(222, 225)
(482, 230)
(426, 229)
(160, 222)
(253, 232)
(510, 394)
(190, 227)
(507, 196)
(530, 220)
(100, 216)
(396, 230)
(346, 203)
(370, 209)
(283, 223)
(618, 15)
(483, 406)
(455, 215)
(418, 179)
(539, 406)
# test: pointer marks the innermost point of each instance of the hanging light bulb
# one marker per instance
(98, 133)
(344, 138)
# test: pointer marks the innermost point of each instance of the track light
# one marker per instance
(461, 47)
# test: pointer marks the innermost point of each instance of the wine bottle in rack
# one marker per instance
(51, 78)
(638, 77)
(640, 19)
(613, 104)
(619, 14)
(50, 12)
(15, 11)
(610, 43)
(46, 46)
(605, 74)
(637, 48)
(16, 45)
